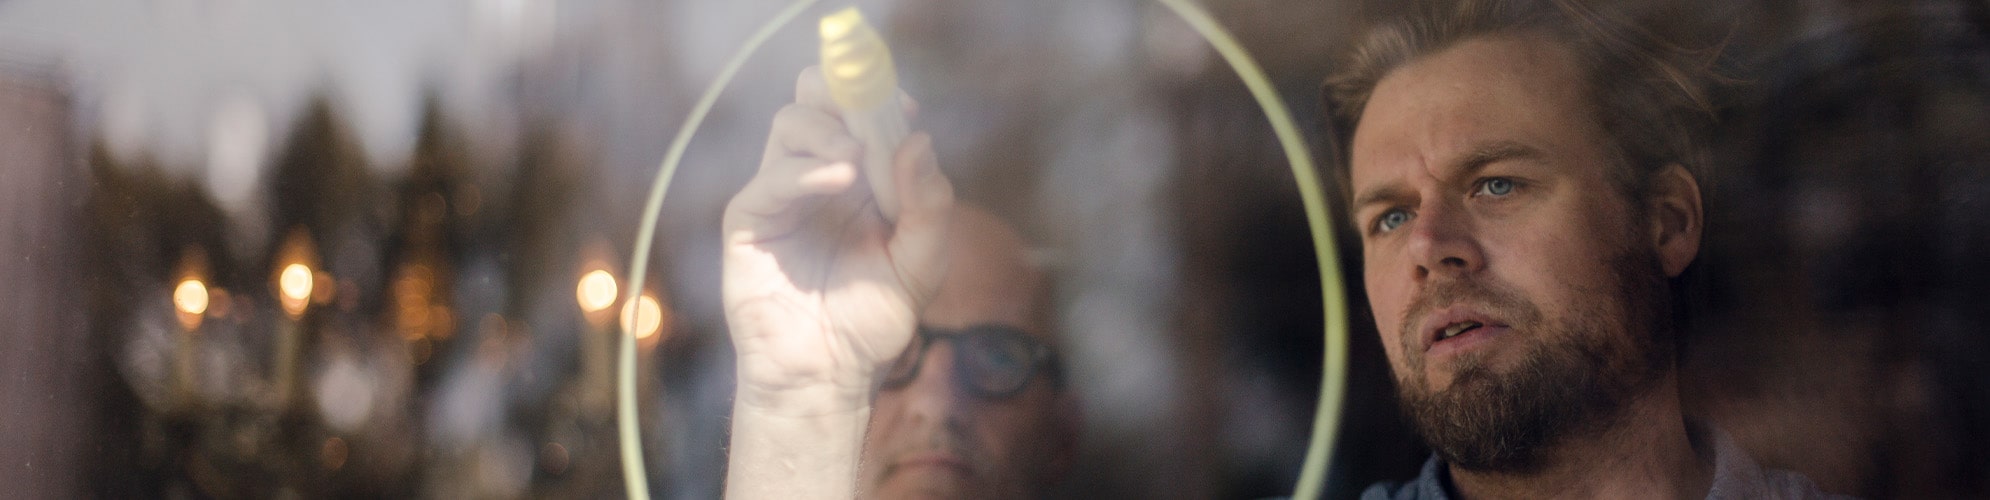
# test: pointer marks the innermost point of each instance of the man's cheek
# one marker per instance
(1377, 296)
(1391, 346)
(1387, 306)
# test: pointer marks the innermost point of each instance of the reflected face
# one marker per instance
(1511, 283)
(934, 437)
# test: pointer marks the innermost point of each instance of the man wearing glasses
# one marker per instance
(824, 291)
(975, 406)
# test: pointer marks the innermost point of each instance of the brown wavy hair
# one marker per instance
(1652, 97)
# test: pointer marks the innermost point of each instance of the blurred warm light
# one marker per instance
(295, 279)
(644, 317)
(441, 323)
(333, 453)
(413, 321)
(323, 288)
(218, 302)
(191, 297)
(596, 291)
(416, 315)
(414, 283)
(295, 285)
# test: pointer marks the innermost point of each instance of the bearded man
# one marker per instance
(1522, 175)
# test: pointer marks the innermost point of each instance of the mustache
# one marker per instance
(939, 437)
(1496, 298)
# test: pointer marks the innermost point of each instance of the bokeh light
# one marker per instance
(644, 317)
(191, 298)
(596, 291)
(333, 453)
(294, 283)
(324, 288)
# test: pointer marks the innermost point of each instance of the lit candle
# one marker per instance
(645, 318)
(596, 293)
(190, 304)
(294, 281)
(190, 300)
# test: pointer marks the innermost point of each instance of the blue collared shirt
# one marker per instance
(1735, 477)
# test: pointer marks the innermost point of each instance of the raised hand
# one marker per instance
(819, 289)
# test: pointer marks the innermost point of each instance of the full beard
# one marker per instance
(1507, 421)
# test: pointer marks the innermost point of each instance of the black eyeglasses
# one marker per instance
(990, 361)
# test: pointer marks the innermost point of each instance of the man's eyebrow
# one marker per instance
(1493, 152)
(1389, 191)
(1480, 156)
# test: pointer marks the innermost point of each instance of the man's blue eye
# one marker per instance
(1497, 186)
(1391, 220)
(1001, 359)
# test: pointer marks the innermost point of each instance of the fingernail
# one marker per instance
(831, 175)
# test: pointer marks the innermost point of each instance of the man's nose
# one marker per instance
(933, 395)
(1441, 241)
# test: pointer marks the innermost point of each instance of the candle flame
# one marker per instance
(191, 297)
(596, 291)
(295, 285)
(644, 317)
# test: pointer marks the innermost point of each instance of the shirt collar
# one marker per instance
(1736, 475)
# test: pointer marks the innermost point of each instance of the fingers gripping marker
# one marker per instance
(857, 67)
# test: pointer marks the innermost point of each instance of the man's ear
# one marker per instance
(1676, 217)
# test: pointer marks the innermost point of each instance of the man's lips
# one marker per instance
(933, 460)
(1456, 327)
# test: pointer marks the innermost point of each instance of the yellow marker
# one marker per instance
(863, 82)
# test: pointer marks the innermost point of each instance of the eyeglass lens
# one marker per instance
(992, 361)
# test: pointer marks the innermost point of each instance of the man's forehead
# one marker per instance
(1497, 96)
(990, 278)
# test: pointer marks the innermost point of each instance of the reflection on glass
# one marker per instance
(190, 298)
(295, 283)
(596, 291)
(644, 317)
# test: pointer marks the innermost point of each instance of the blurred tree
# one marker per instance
(426, 242)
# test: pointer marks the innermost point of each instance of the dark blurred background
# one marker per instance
(347, 248)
